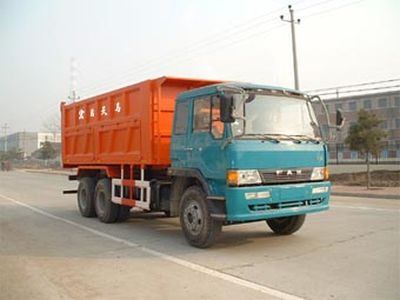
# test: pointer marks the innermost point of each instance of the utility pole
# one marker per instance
(5, 127)
(293, 22)
(24, 143)
(73, 80)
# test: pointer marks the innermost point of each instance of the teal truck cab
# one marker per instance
(243, 153)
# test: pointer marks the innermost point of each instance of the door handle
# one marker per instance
(188, 149)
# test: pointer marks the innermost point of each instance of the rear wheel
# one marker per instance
(86, 190)
(286, 225)
(106, 211)
(123, 213)
(199, 228)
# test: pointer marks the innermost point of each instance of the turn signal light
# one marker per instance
(326, 173)
(233, 177)
(243, 177)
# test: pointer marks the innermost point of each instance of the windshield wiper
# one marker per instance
(268, 138)
(308, 138)
(265, 137)
(286, 136)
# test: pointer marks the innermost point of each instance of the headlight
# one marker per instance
(243, 177)
(320, 173)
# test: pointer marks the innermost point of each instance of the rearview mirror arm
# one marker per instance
(330, 125)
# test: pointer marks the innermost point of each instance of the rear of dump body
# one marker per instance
(131, 125)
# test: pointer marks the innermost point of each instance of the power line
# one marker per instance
(314, 5)
(206, 42)
(202, 43)
(204, 51)
(354, 85)
(211, 40)
(240, 30)
(189, 56)
(362, 90)
(333, 9)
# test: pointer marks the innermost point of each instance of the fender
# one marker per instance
(192, 173)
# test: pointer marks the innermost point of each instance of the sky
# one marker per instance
(49, 46)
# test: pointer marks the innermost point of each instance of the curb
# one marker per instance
(47, 172)
(391, 197)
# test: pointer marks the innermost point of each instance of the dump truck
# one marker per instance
(212, 153)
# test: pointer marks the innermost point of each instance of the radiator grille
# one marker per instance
(286, 175)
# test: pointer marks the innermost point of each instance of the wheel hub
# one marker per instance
(193, 218)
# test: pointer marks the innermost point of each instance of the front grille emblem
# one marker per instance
(288, 172)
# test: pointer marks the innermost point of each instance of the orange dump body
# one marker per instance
(131, 125)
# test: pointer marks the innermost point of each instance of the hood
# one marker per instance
(257, 154)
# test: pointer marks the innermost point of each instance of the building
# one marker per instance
(28, 142)
(385, 105)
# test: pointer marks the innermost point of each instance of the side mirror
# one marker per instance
(339, 119)
(226, 108)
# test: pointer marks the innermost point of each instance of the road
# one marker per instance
(48, 251)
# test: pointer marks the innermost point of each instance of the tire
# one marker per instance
(107, 211)
(123, 213)
(86, 190)
(199, 228)
(286, 225)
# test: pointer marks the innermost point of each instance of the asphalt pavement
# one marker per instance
(48, 251)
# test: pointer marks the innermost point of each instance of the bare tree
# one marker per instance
(53, 124)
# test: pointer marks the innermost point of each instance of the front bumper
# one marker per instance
(283, 201)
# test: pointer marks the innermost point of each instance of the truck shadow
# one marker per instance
(231, 235)
(69, 235)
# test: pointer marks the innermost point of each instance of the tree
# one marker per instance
(11, 155)
(47, 151)
(365, 137)
(53, 125)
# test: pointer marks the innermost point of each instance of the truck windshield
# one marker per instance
(277, 116)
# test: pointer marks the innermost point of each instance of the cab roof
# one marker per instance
(215, 88)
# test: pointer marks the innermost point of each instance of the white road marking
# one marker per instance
(366, 208)
(199, 268)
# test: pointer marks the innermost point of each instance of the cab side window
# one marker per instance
(182, 111)
(217, 127)
(201, 115)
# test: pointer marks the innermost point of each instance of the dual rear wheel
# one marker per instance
(94, 199)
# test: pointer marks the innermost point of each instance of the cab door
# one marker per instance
(180, 152)
(205, 139)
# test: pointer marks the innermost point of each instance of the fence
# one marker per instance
(342, 154)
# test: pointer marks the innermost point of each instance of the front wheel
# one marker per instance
(286, 225)
(199, 228)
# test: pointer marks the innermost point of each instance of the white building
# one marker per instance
(28, 142)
